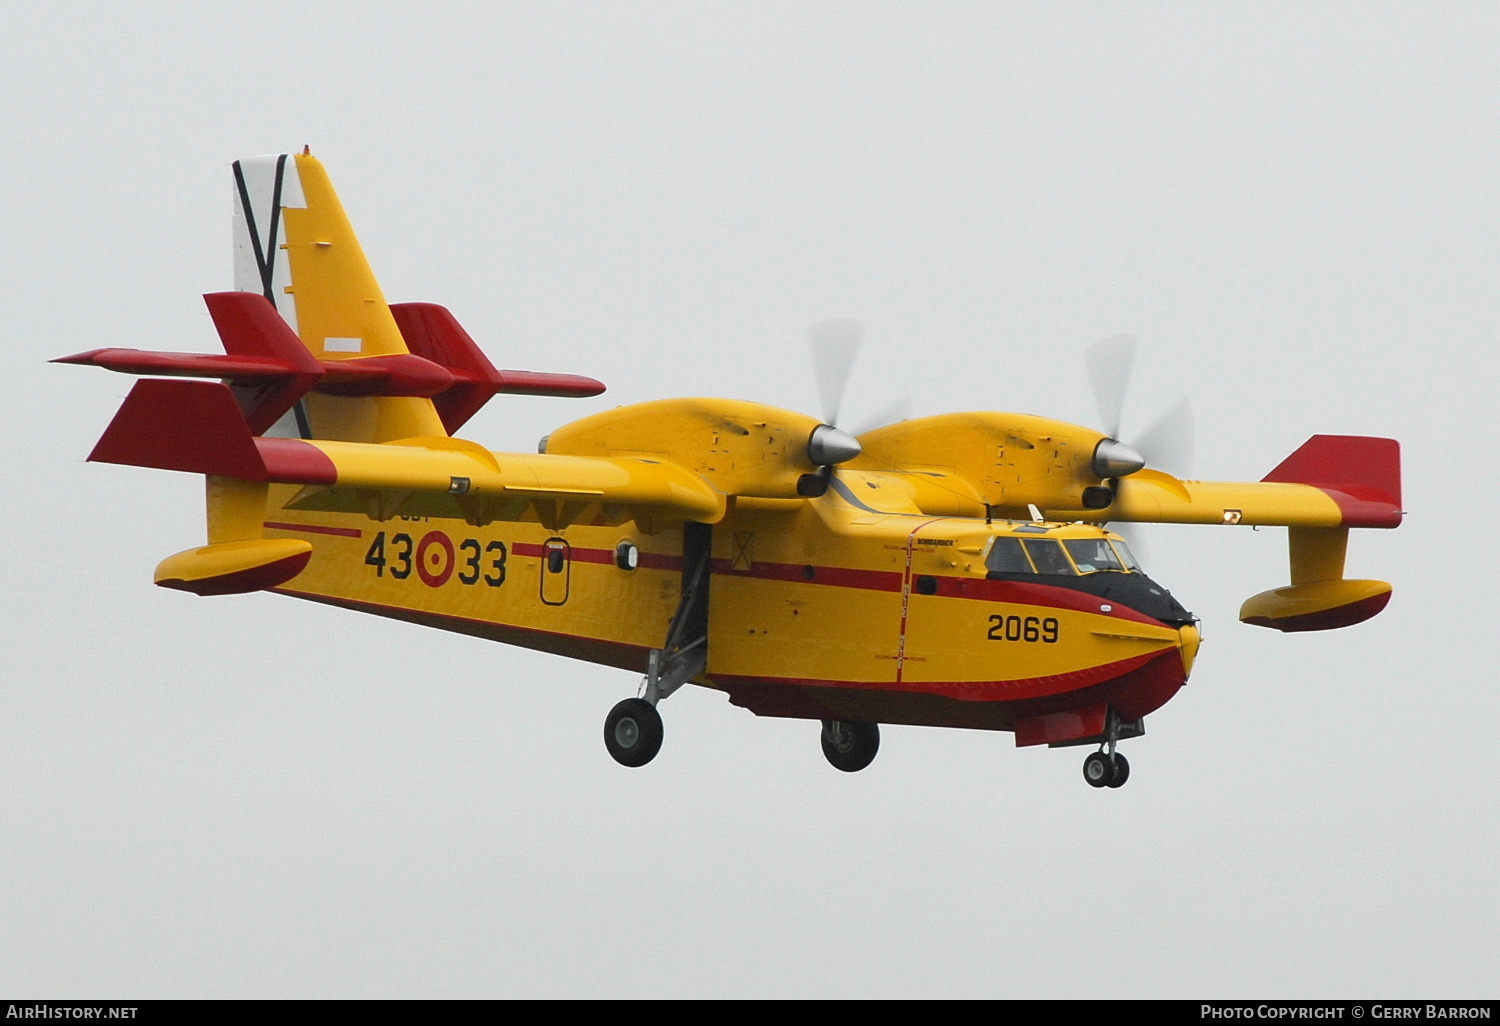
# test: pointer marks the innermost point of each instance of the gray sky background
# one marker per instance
(1294, 205)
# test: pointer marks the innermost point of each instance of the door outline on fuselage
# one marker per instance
(556, 571)
(908, 584)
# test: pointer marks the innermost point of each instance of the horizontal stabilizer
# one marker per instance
(270, 369)
(180, 365)
(431, 331)
(264, 360)
(401, 374)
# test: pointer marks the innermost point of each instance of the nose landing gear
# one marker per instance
(1103, 769)
(850, 746)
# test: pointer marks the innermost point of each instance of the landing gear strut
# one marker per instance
(1107, 767)
(633, 729)
(850, 746)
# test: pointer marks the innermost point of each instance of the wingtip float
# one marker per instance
(951, 571)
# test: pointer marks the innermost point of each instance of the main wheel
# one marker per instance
(1097, 770)
(633, 732)
(1122, 771)
(850, 746)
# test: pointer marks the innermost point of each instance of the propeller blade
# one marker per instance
(891, 413)
(1109, 361)
(834, 344)
(1168, 443)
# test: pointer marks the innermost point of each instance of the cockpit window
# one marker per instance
(1126, 556)
(1049, 557)
(1007, 557)
(1092, 554)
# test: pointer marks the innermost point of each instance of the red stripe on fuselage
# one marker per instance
(808, 573)
(341, 532)
(1025, 593)
(649, 560)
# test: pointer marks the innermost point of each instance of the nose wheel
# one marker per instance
(1103, 769)
(850, 746)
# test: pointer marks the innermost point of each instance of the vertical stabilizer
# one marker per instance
(294, 245)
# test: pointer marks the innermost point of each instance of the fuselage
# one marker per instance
(843, 606)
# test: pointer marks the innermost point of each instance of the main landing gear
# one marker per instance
(1106, 770)
(850, 746)
(633, 730)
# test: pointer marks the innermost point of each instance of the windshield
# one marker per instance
(1048, 557)
(1092, 554)
(1126, 556)
(1006, 557)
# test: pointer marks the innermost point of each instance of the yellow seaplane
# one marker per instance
(947, 571)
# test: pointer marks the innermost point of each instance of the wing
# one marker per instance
(195, 426)
(1332, 481)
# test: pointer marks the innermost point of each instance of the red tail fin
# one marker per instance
(266, 363)
(197, 427)
(250, 326)
(193, 426)
(433, 332)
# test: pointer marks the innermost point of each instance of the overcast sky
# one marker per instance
(1293, 205)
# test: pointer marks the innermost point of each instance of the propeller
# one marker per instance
(835, 346)
(1166, 444)
(1109, 363)
(893, 412)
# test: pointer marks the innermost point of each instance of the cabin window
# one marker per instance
(1007, 557)
(557, 560)
(1049, 557)
(1092, 554)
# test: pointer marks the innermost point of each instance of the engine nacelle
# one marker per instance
(1011, 460)
(743, 448)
